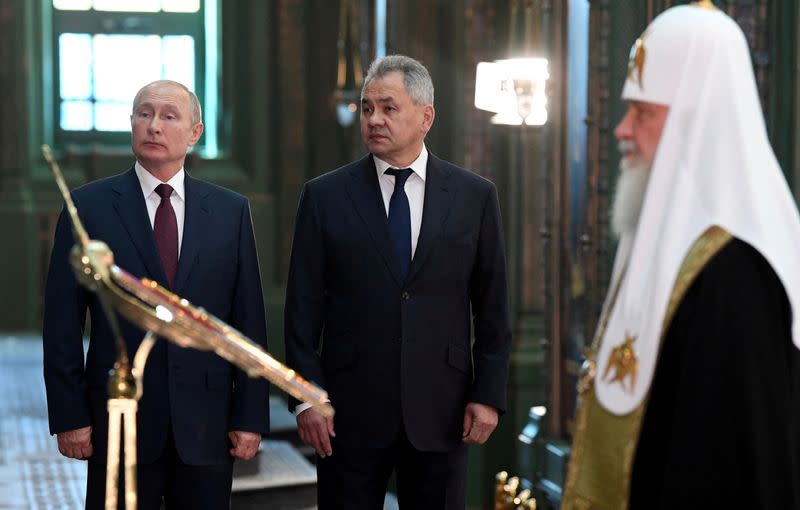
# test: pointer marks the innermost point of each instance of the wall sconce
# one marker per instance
(514, 89)
(346, 99)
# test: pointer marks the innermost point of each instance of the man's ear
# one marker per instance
(197, 130)
(428, 114)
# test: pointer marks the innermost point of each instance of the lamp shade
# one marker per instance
(514, 89)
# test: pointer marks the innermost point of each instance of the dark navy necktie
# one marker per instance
(400, 219)
(165, 228)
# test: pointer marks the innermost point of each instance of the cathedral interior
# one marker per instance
(279, 81)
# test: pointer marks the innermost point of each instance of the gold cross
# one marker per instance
(625, 364)
(705, 4)
(636, 60)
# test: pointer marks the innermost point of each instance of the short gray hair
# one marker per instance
(416, 78)
(194, 103)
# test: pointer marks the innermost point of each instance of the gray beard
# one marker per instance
(628, 197)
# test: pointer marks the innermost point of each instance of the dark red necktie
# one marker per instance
(165, 228)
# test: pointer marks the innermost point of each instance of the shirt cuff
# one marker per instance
(299, 408)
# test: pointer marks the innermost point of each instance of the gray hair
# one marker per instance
(416, 78)
(194, 103)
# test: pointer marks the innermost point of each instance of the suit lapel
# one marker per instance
(195, 223)
(131, 208)
(439, 194)
(364, 191)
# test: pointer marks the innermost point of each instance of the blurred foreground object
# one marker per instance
(508, 495)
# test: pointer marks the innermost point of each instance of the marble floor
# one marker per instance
(34, 476)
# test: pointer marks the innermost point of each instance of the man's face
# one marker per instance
(163, 129)
(392, 125)
(642, 126)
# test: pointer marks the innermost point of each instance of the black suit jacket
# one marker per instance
(395, 353)
(198, 394)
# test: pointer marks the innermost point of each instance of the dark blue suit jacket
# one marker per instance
(198, 394)
(395, 353)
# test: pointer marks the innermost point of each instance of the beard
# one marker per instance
(629, 194)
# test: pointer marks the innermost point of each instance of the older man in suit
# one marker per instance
(198, 412)
(395, 257)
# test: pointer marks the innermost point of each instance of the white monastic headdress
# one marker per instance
(713, 166)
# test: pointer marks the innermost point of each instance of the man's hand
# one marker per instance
(479, 422)
(316, 430)
(76, 444)
(245, 444)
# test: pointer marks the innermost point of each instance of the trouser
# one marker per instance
(357, 478)
(168, 479)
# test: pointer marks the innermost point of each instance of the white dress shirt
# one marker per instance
(415, 191)
(149, 183)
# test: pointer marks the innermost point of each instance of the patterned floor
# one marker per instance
(33, 476)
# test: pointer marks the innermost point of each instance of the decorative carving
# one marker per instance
(480, 44)
(598, 175)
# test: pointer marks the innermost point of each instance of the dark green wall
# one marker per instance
(279, 129)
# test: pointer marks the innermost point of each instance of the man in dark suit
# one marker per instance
(198, 412)
(395, 257)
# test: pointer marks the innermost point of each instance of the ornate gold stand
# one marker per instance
(508, 496)
(124, 410)
(163, 314)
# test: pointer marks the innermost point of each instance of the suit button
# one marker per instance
(406, 296)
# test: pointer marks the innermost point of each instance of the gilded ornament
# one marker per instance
(625, 364)
(636, 61)
(705, 4)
